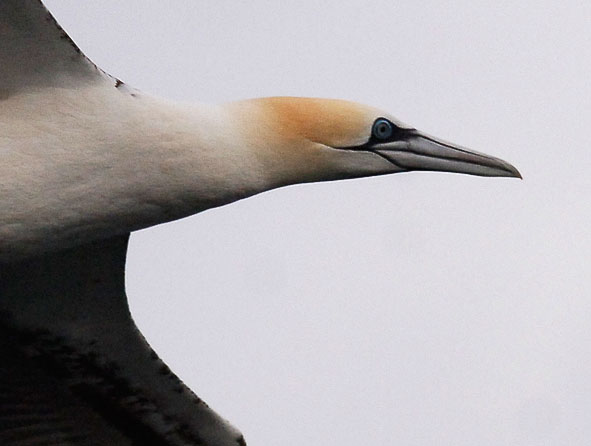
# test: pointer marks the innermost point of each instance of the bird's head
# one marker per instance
(304, 139)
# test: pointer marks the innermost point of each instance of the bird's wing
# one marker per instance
(35, 52)
(74, 368)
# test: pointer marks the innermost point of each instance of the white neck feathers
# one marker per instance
(89, 163)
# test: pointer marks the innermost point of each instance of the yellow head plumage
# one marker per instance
(309, 139)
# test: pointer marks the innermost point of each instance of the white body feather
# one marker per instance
(87, 163)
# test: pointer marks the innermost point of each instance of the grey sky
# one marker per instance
(414, 309)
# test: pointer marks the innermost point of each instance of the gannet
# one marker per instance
(87, 159)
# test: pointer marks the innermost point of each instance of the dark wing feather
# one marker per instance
(74, 368)
(36, 52)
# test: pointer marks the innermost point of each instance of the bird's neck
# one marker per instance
(122, 163)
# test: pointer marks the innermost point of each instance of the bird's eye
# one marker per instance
(382, 129)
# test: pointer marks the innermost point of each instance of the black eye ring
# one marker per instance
(382, 129)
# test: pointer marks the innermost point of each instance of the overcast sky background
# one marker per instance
(413, 309)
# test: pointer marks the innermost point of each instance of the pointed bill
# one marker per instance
(419, 151)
